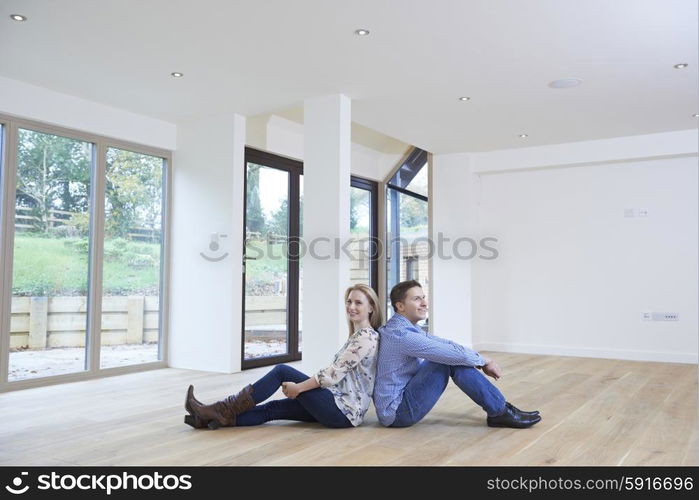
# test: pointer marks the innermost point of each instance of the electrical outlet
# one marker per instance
(659, 316)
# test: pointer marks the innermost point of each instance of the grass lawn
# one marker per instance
(59, 266)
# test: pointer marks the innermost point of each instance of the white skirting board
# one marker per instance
(587, 352)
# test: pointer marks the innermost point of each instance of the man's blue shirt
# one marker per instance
(401, 347)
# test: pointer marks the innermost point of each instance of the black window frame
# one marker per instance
(373, 188)
(295, 170)
(416, 160)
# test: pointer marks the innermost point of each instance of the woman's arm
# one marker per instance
(361, 344)
(291, 389)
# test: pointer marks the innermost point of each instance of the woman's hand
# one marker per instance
(291, 389)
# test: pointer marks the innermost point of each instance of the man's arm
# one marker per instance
(491, 368)
(439, 350)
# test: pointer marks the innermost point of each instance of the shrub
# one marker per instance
(119, 243)
(81, 245)
(115, 249)
(81, 223)
(35, 288)
(64, 232)
(139, 260)
(142, 249)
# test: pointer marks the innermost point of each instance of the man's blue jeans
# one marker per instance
(316, 405)
(428, 384)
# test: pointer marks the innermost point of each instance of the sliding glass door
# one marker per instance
(363, 230)
(83, 254)
(133, 250)
(273, 271)
(50, 267)
(271, 278)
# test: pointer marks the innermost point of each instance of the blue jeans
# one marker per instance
(428, 384)
(316, 405)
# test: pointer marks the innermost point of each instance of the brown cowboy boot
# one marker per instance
(220, 413)
(191, 419)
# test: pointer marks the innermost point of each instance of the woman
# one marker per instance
(337, 396)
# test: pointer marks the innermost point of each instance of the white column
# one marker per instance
(453, 200)
(206, 282)
(326, 200)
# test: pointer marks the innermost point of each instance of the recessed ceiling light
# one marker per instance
(523, 136)
(464, 98)
(18, 17)
(681, 65)
(565, 83)
(361, 32)
(177, 74)
(695, 115)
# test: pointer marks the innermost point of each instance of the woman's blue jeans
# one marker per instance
(316, 405)
(428, 384)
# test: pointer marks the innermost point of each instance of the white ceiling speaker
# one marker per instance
(565, 83)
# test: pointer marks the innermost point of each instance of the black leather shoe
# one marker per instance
(513, 418)
(531, 413)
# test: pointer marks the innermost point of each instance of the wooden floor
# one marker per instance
(595, 412)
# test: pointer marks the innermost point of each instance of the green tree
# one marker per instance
(254, 217)
(133, 192)
(413, 212)
(53, 173)
(279, 222)
(356, 198)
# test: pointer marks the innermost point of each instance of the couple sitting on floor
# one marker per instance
(406, 372)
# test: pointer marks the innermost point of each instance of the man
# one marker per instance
(413, 369)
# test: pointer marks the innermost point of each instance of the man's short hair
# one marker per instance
(398, 292)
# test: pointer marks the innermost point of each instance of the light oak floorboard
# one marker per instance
(595, 412)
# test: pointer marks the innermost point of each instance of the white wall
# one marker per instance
(284, 137)
(574, 274)
(453, 204)
(36, 103)
(205, 305)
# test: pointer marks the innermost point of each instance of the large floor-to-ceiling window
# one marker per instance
(50, 264)
(363, 229)
(408, 247)
(83, 253)
(273, 270)
(133, 256)
(272, 283)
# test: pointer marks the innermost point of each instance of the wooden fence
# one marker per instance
(25, 221)
(41, 322)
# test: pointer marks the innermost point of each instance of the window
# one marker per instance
(272, 279)
(363, 230)
(406, 224)
(50, 267)
(84, 243)
(133, 249)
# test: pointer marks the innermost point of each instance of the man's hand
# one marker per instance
(290, 389)
(491, 369)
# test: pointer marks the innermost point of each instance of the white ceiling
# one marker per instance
(259, 56)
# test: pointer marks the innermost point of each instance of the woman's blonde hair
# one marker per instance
(376, 316)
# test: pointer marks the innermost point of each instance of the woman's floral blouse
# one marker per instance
(351, 376)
